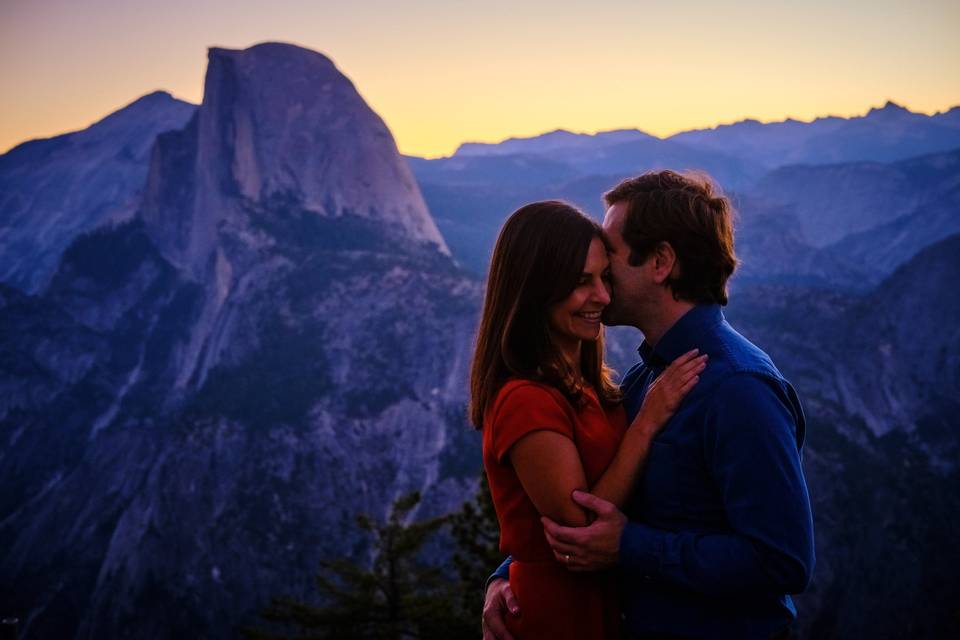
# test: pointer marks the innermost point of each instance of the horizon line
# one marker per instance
(592, 133)
(712, 127)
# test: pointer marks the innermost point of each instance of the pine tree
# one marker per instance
(477, 535)
(398, 597)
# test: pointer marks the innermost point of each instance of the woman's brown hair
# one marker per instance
(537, 262)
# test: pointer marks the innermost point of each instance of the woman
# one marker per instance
(550, 414)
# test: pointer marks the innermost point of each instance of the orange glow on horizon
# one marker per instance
(441, 75)
(433, 143)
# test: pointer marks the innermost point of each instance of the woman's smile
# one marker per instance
(577, 317)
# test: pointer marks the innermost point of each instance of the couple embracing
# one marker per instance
(673, 505)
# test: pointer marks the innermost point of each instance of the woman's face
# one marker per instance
(577, 317)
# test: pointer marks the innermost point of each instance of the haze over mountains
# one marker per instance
(227, 329)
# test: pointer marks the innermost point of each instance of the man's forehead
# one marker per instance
(613, 220)
(614, 215)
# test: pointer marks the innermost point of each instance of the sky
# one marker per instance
(443, 72)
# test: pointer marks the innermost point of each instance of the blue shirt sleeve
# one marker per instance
(503, 571)
(752, 452)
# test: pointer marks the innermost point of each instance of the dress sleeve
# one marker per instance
(525, 408)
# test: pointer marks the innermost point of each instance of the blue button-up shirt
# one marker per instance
(720, 527)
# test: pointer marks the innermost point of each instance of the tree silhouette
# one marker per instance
(398, 597)
(477, 535)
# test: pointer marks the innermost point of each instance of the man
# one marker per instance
(720, 530)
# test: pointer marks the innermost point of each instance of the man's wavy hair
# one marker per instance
(689, 212)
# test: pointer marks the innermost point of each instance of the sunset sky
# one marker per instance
(443, 72)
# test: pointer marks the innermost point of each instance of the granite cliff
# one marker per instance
(210, 390)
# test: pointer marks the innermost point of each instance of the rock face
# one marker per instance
(279, 122)
(832, 202)
(53, 190)
(208, 393)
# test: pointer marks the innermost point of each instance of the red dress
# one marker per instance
(554, 603)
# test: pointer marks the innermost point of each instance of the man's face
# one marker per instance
(630, 286)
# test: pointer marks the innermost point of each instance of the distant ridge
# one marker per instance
(142, 107)
(54, 189)
(551, 141)
(889, 107)
(563, 139)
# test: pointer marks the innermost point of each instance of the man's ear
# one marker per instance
(664, 262)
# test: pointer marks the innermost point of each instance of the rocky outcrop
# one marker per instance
(278, 124)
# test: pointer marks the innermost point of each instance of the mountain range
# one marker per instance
(843, 224)
(228, 328)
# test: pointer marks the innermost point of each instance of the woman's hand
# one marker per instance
(668, 391)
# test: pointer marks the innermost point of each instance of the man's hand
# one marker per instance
(589, 548)
(498, 602)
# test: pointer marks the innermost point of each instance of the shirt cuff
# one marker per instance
(502, 572)
(641, 549)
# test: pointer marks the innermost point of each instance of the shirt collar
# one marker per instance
(684, 335)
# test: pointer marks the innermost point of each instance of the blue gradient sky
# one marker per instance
(441, 73)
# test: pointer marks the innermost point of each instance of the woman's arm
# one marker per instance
(548, 463)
